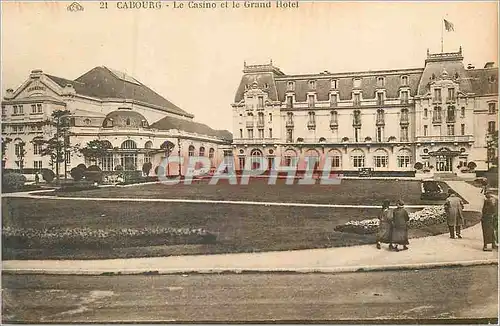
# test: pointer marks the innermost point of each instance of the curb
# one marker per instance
(303, 270)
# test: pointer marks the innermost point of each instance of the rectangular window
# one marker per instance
(334, 83)
(67, 157)
(358, 161)
(380, 134)
(250, 133)
(451, 94)
(426, 130)
(404, 133)
(261, 133)
(404, 97)
(310, 101)
(289, 135)
(437, 95)
(357, 99)
(242, 163)
(107, 162)
(357, 83)
(380, 82)
(39, 108)
(462, 112)
(357, 134)
(289, 102)
(312, 84)
(404, 80)
(336, 161)
(261, 101)
(291, 86)
(462, 129)
(15, 110)
(4, 110)
(451, 130)
(426, 113)
(37, 149)
(270, 117)
(333, 100)
(33, 108)
(241, 133)
(403, 161)
(20, 109)
(380, 98)
(270, 132)
(492, 108)
(380, 161)
(491, 127)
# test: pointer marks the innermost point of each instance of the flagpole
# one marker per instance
(442, 33)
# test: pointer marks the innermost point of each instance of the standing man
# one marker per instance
(400, 226)
(454, 216)
(37, 178)
(489, 221)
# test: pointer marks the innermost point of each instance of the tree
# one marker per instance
(146, 168)
(492, 149)
(21, 154)
(96, 149)
(57, 146)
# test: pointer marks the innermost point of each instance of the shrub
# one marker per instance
(13, 181)
(418, 166)
(471, 165)
(48, 175)
(94, 168)
(82, 166)
(146, 168)
(77, 173)
(77, 186)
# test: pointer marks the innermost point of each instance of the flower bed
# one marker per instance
(427, 216)
(99, 238)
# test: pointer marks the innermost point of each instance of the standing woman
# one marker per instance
(489, 221)
(400, 226)
(384, 234)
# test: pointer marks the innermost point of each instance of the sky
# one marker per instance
(194, 57)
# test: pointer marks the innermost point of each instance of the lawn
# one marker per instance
(349, 192)
(239, 228)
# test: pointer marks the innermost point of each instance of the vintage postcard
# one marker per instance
(249, 162)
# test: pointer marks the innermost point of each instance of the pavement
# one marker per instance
(427, 252)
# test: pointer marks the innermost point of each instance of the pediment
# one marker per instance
(35, 88)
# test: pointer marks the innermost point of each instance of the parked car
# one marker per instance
(432, 190)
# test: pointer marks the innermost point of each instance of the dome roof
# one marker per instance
(125, 119)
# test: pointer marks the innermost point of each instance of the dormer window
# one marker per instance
(334, 83)
(333, 100)
(404, 80)
(266, 85)
(380, 81)
(357, 99)
(312, 84)
(310, 101)
(144, 123)
(451, 94)
(380, 98)
(492, 79)
(127, 122)
(357, 82)
(404, 97)
(290, 86)
(109, 123)
(86, 122)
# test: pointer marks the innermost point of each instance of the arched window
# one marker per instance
(191, 150)
(288, 156)
(37, 145)
(129, 144)
(148, 145)
(404, 158)
(336, 158)
(380, 158)
(127, 122)
(211, 153)
(107, 144)
(202, 151)
(312, 156)
(358, 158)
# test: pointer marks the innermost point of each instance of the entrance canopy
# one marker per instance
(445, 152)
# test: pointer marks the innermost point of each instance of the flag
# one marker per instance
(448, 26)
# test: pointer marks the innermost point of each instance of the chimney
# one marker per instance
(36, 73)
(489, 65)
(470, 66)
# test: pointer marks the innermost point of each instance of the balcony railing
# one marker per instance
(249, 124)
(404, 101)
(380, 121)
(289, 105)
(356, 122)
(311, 125)
(436, 120)
(250, 141)
(334, 124)
(260, 124)
(437, 100)
(404, 119)
(450, 118)
(289, 123)
(465, 138)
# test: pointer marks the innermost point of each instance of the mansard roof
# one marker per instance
(483, 81)
(169, 123)
(103, 82)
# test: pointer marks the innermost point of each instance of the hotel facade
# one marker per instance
(138, 124)
(441, 115)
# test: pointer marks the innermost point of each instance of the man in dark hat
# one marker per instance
(454, 216)
(489, 221)
(400, 226)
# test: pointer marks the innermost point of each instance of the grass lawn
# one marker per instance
(349, 192)
(240, 228)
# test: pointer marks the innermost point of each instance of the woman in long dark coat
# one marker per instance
(489, 220)
(400, 227)
(384, 234)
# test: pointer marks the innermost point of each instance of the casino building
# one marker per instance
(138, 124)
(441, 116)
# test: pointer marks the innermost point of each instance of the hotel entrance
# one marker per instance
(444, 159)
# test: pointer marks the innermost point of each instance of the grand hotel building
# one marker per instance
(440, 115)
(138, 124)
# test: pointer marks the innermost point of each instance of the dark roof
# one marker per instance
(102, 82)
(452, 67)
(168, 123)
(483, 81)
(262, 78)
